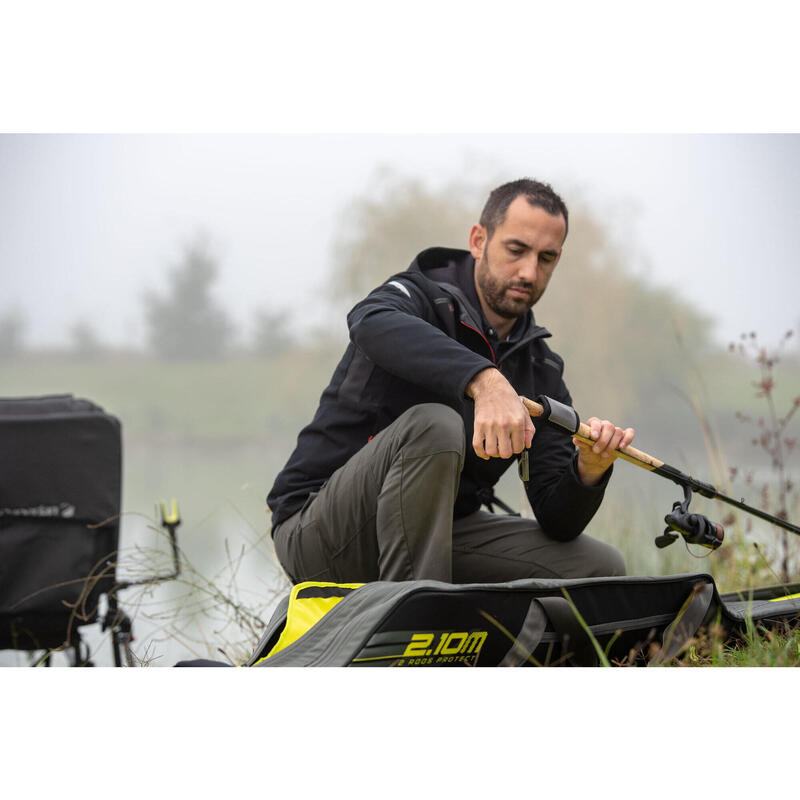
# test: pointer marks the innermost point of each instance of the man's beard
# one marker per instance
(494, 293)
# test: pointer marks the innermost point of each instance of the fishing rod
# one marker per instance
(695, 528)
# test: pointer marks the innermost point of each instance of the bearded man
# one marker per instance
(423, 415)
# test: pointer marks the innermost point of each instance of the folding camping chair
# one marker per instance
(60, 499)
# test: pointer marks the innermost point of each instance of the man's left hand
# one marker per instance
(595, 459)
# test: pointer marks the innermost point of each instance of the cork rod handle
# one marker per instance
(631, 454)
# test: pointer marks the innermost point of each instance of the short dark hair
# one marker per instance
(538, 194)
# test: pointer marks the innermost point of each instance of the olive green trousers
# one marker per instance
(387, 514)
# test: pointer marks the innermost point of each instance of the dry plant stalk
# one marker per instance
(771, 439)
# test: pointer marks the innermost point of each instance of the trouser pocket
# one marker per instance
(300, 550)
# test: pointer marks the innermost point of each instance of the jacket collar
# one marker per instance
(453, 271)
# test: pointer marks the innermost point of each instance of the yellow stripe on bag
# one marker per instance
(306, 611)
(787, 597)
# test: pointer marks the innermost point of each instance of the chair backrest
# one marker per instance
(60, 498)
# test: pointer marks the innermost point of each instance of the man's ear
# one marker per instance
(477, 241)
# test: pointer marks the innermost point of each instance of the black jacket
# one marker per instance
(420, 338)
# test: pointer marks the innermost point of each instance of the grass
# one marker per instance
(759, 646)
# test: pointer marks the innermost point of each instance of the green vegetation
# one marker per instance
(215, 402)
(245, 399)
(759, 646)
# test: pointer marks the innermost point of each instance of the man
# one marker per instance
(423, 416)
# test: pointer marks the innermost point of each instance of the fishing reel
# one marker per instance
(695, 528)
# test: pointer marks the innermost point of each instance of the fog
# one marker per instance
(89, 222)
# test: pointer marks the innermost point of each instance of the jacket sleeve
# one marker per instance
(395, 327)
(561, 503)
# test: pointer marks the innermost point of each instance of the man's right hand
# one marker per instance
(502, 425)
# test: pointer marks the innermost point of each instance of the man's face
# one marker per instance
(512, 269)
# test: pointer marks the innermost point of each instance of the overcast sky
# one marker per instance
(88, 222)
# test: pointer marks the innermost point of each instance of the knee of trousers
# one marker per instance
(438, 425)
(608, 561)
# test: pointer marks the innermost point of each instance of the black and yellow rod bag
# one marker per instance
(576, 622)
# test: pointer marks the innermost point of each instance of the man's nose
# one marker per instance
(529, 268)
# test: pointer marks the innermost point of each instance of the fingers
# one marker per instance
(595, 459)
(608, 437)
(627, 437)
(502, 443)
(529, 430)
(477, 445)
(502, 432)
